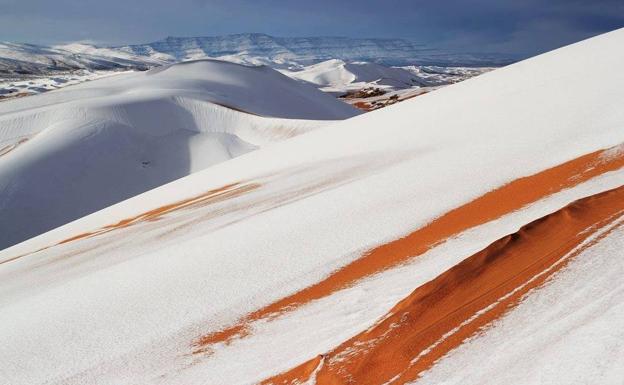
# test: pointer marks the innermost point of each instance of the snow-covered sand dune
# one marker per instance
(336, 74)
(74, 151)
(319, 257)
(369, 86)
(339, 76)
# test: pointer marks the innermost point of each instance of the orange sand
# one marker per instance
(488, 207)
(209, 197)
(441, 314)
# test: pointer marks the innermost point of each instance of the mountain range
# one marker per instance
(249, 48)
(309, 50)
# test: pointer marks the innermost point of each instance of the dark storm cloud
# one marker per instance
(512, 26)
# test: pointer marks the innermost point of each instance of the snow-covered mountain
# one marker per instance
(252, 48)
(69, 153)
(472, 235)
(307, 50)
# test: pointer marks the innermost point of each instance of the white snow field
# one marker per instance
(74, 151)
(126, 304)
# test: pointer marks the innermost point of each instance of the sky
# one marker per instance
(520, 27)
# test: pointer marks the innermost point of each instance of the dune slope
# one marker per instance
(78, 150)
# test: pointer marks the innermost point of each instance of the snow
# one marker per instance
(437, 76)
(308, 50)
(357, 63)
(254, 48)
(337, 74)
(124, 307)
(371, 86)
(321, 325)
(137, 131)
(32, 85)
(19, 59)
(570, 331)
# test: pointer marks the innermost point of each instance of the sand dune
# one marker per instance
(74, 151)
(508, 198)
(369, 250)
(441, 314)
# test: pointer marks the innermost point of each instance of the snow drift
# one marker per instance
(71, 152)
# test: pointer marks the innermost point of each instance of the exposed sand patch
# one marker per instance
(488, 207)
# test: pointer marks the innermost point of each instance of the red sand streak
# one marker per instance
(6, 149)
(209, 197)
(439, 315)
(494, 204)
